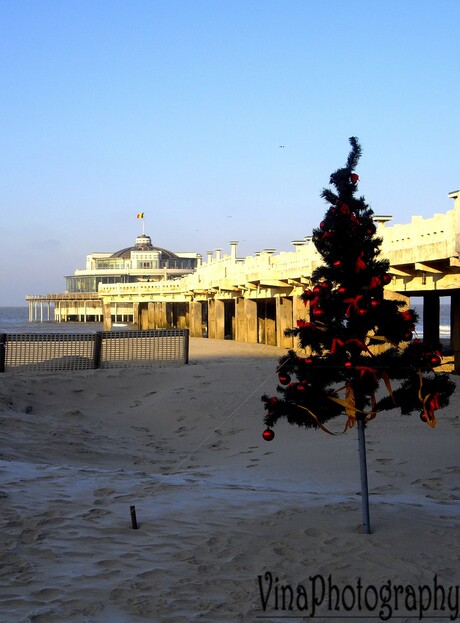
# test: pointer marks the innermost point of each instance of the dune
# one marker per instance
(230, 527)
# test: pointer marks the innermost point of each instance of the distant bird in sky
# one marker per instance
(281, 146)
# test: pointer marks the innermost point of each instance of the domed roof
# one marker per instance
(143, 243)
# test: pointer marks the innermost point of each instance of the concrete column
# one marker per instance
(136, 315)
(151, 315)
(431, 319)
(143, 316)
(250, 313)
(284, 311)
(107, 317)
(212, 318)
(159, 320)
(196, 319)
(240, 332)
(220, 319)
(455, 328)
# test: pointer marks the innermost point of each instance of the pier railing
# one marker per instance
(54, 352)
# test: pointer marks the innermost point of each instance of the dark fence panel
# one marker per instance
(51, 352)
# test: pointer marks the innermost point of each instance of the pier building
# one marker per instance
(256, 298)
(141, 262)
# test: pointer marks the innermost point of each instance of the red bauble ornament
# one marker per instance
(375, 303)
(362, 312)
(316, 289)
(435, 360)
(309, 360)
(301, 387)
(326, 285)
(268, 434)
(386, 279)
(354, 178)
(337, 264)
(348, 364)
(284, 379)
(423, 416)
(408, 336)
(342, 290)
(407, 315)
(318, 313)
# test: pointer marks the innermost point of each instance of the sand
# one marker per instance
(221, 513)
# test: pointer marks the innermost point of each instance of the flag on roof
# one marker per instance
(140, 215)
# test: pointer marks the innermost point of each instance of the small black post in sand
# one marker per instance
(133, 517)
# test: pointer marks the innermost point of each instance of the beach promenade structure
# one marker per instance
(254, 299)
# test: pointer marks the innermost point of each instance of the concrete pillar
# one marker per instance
(151, 315)
(220, 319)
(160, 320)
(196, 319)
(136, 315)
(240, 328)
(431, 319)
(107, 317)
(455, 328)
(143, 316)
(250, 313)
(212, 318)
(284, 311)
(179, 315)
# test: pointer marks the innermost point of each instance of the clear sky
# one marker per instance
(178, 108)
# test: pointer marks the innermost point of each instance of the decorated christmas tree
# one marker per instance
(353, 339)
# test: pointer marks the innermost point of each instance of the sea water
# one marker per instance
(16, 320)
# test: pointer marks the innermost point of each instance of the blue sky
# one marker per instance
(177, 108)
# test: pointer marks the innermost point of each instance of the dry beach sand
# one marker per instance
(217, 505)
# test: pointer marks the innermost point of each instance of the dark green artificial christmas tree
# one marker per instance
(355, 339)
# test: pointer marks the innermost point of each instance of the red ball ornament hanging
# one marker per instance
(284, 379)
(354, 178)
(309, 360)
(318, 313)
(408, 336)
(348, 364)
(268, 434)
(342, 290)
(435, 360)
(408, 315)
(362, 312)
(375, 303)
(337, 264)
(386, 279)
(423, 416)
